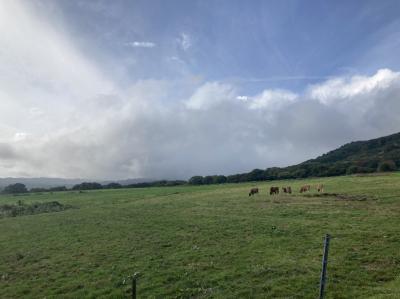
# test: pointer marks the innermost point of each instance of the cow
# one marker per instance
(320, 188)
(274, 190)
(287, 190)
(253, 191)
(305, 188)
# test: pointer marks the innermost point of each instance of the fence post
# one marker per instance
(134, 286)
(324, 265)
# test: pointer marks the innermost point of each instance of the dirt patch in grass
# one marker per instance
(342, 196)
(22, 209)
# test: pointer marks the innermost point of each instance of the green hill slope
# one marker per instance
(380, 154)
(375, 155)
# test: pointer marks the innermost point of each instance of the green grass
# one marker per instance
(206, 242)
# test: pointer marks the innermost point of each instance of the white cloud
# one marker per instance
(20, 136)
(210, 95)
(40, 68)
(273, 99)
(141, 44)
(242, 98)
(331, 91)
(36, 112)
(185, 41)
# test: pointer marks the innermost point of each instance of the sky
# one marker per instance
(172, 89)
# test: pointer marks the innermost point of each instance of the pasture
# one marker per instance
(207, 242)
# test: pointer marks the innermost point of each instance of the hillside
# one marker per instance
(379, 149)
(375, 155)
(380, 154)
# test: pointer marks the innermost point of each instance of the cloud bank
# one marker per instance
(212, 131)
(62, 116)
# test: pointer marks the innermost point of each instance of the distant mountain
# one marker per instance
(40, 182)
(129, 181)
(55, 182)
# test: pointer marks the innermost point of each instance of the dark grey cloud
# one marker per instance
(7, 152)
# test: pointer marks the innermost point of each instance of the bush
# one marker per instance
(358, 169)
(388, 165)
(58, 188)
(87, 186)
(113, 186)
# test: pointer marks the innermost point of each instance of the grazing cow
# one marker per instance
(253, 191)
(287, 190)
(320, 188)
(305, 188)
(274, 190)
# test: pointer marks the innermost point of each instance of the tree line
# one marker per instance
(304, 170)
(376, 155)
(20, 188)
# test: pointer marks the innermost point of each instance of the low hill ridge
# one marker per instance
(375, 155)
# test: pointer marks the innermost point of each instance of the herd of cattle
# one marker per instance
(275, 190)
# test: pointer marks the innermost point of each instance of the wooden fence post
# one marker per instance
(134, 282)
(133, 287)
(324, 265)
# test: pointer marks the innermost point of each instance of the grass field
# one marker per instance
(207, 242)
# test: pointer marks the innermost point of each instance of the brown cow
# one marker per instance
(320, 188)
(305, 188)
(274, 190)
(253, 191)
(287, 190)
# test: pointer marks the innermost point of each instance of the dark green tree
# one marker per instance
(15, 189)
(58, 188)
(207, 180)
(87, 186)
(112, 186)
(219, 179)
(196, 180)
(256, 175)
(388, 165)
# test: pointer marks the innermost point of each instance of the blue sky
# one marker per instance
(278, 41)
(171, 89)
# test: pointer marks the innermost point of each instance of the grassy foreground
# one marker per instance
(207, 242)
